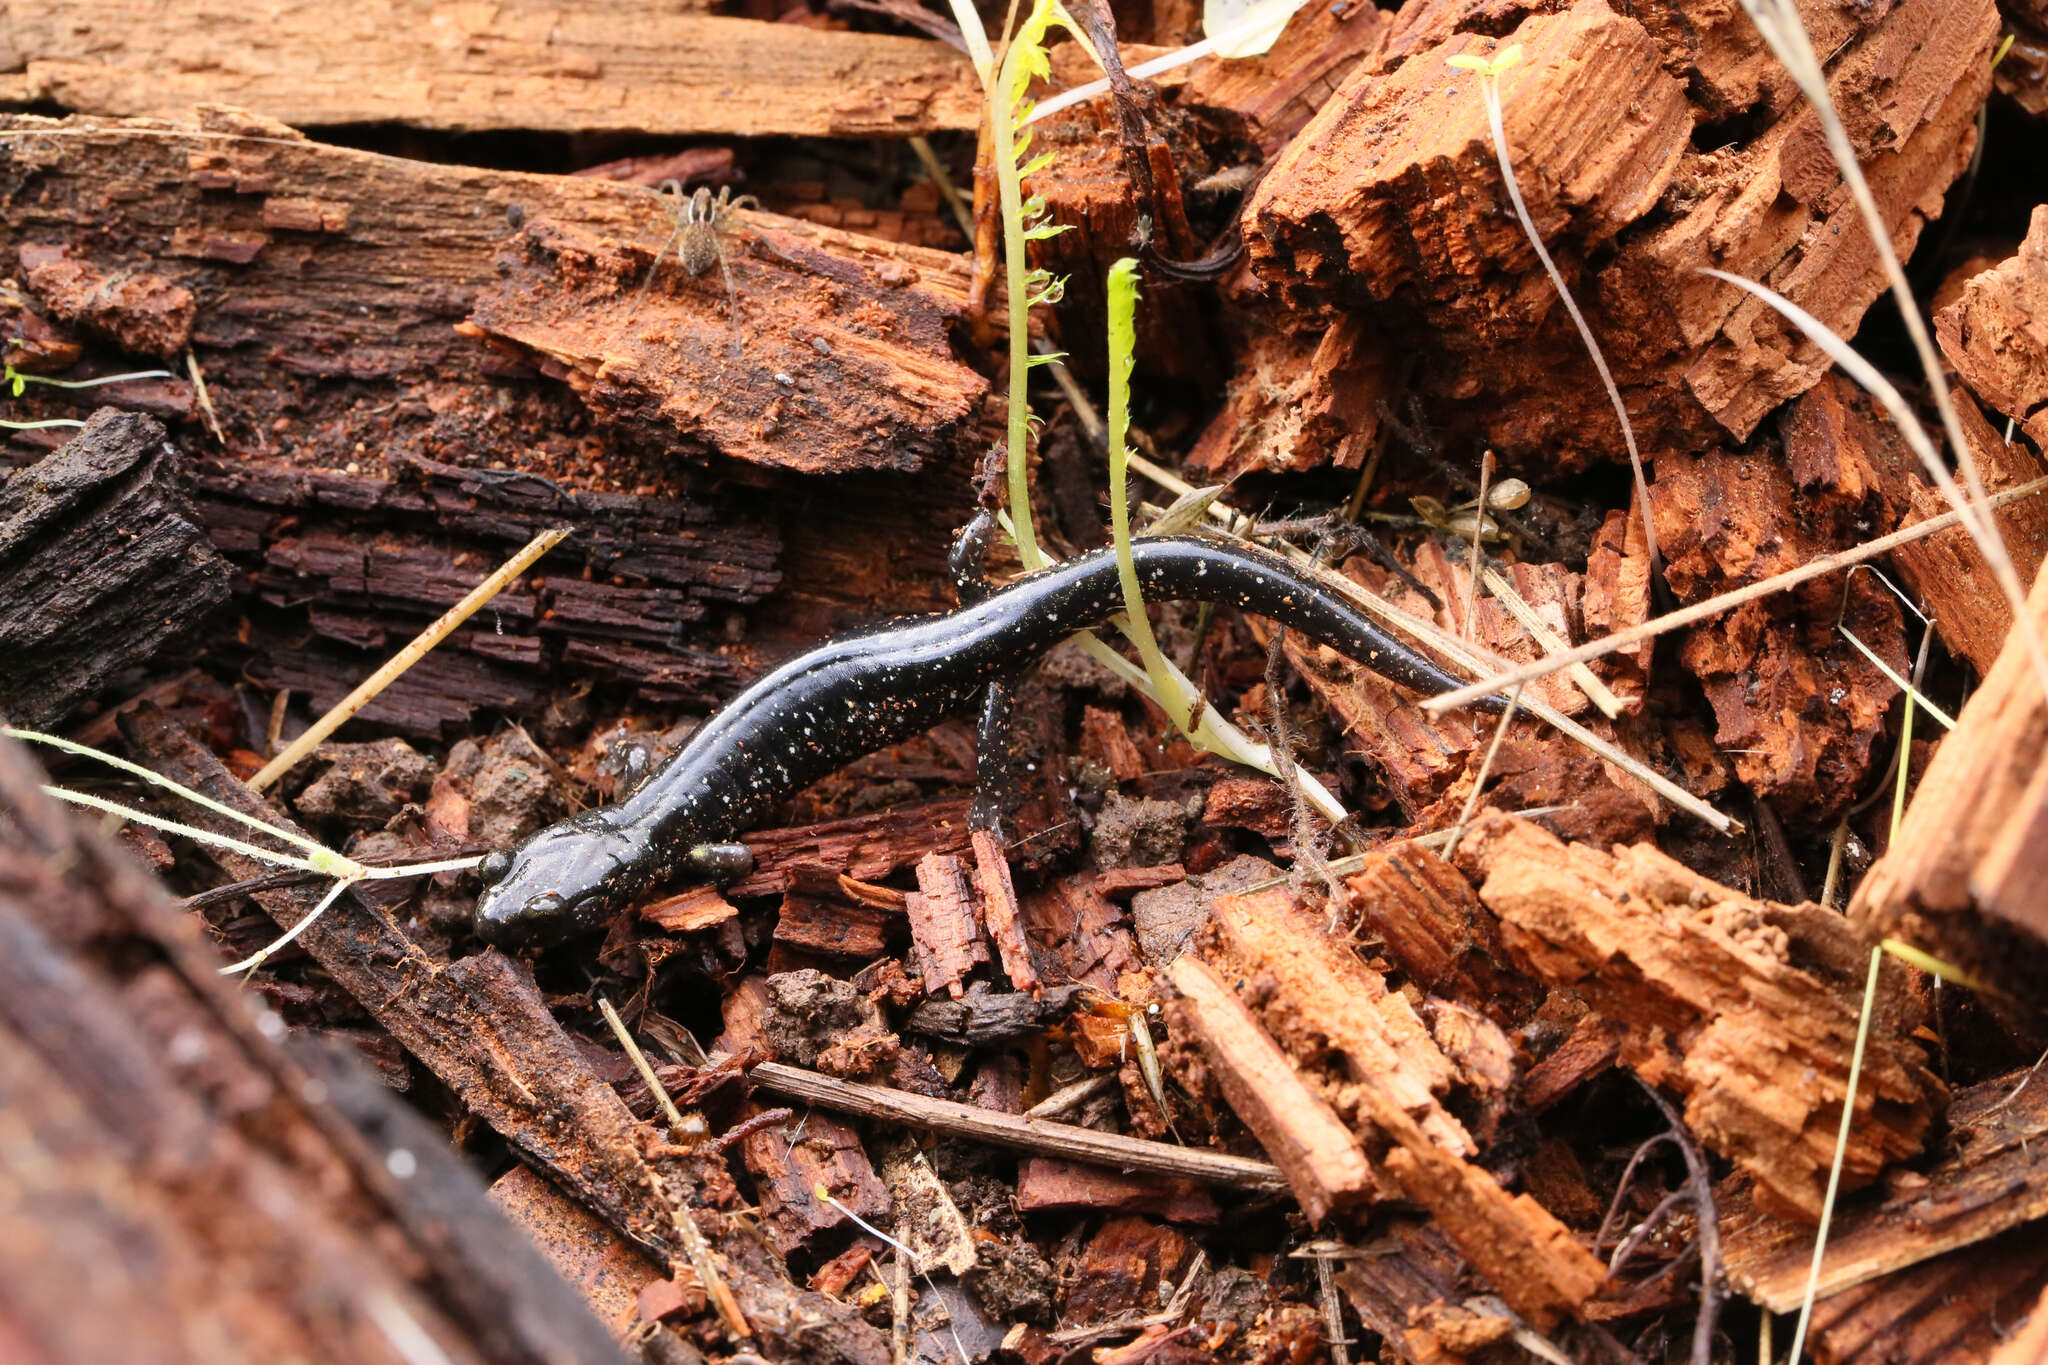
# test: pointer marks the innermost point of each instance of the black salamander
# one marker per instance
(864, 691)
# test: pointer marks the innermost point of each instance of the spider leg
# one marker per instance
(654, 266)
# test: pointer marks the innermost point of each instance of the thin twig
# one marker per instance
(1500, 732)
(1014, 1131)
(406, 658)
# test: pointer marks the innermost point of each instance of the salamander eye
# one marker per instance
(494, 866)
(544, 906)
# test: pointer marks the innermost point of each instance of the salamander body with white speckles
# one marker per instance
(862, 692)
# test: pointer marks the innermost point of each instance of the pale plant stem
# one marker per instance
(1827, 1210)
(1479, 520)
(1472, 798)
(270, 949)
(405, 659)
(1727, 601)
(99, 803)
(1489, 87)
(199, 799)
(1785, 32)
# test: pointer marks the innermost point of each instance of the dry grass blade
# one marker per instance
(406, 658)
(1546, 639)
(1782, 28)
(1472, 660)
(1727, 601)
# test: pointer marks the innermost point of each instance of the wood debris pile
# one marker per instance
(1067, 1042)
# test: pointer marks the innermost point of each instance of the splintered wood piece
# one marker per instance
(102, 560)
(1314, 997)
(1593, 1046)
(943, 924)
(1105, 739)
(700, 907)
(1412, 1297)
(1275, 94)
(1747, 1007)
(1016, 1131)
(1325, 1167)
(865, 847)
(1000, 913)
(1953, 1310)
(1048, 1184)
(1996, 333)
(1991, 1175)
(1957, 879)
(1430, 924)
(1599, 116)
(1300, 400)
(926, 1218)
(781, 369)
(607, 1270)
(822, 925)
(1534, 1261)
(791, 1159)
(1838, 440)
(1069, 923)
(581, 67)
(1797, 708)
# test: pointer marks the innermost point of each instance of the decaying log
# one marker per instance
(1953, 1310)
(1073, 927)
(144, 1210)
(102, 560)
(1996, 333)
(581, 67)
(1962, 878)
(1746, 1007)
(1991, 1175)
(1391, 193)
(371, 283)
(662, 357)
(1324, 1165)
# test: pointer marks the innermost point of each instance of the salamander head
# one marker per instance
(566, 879)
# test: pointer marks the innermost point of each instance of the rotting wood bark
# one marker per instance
(130, 1069)
(1746, 1007)
(579, 67)
(1962, 877)
(102, 560)
(1598, 121)
(1324, 1164)
(943, 924)
(371, 288)
(1991, 1174)
(1839, 445)
(1995, 336)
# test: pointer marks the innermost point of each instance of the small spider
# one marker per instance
(699, 222)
